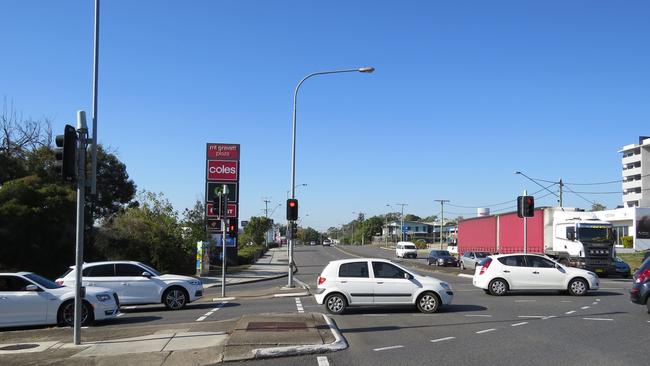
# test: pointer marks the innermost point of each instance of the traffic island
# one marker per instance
(277, 335)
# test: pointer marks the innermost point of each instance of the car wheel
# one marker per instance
(578, 287)
(428, 261)
(498, 287)
(335, 304)
(428, 302)
(66, 314)
(175, 298)
(647, 304)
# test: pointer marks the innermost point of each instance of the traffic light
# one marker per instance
(66, 154)
(525, 206)
(292, 209)
(220, 206)
(232, 227)
(294, 230)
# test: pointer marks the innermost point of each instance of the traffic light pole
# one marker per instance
(224, 217)
(525, 229)
(82, 130)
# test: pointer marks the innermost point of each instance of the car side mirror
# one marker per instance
(146, 274)
(408, 276)
(31, 288)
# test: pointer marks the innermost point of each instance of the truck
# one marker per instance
(572, 237)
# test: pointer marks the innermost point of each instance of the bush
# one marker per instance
(420, 244)
(273, 245)
(248, 254)
(627, 241)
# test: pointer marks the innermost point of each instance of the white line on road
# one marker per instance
(442, 339)
(605, 319)
(482, 316)
(584, 307)
(570, 312)
(549, 317)
(293, 294)
(597, 299)
(299, 305)
(375, 314)
(566, 301)
(485, 331)
(518, 324)
(525, 300)
(532, 316)
(322, 361)
(120, 314)
(385, 348)
(204, 316)
(129, 307)
(223, 298)
(594, 303)
(465, 275)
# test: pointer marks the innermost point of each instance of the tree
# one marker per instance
(410, 217)
(114, 188)
(597, 207)
(371, 227)
(432, 218)
(257, 228)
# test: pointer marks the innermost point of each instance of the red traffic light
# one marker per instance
(292, 209)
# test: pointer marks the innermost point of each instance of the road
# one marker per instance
(602, 328)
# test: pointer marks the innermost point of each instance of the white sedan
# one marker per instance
(29, 299)
(499, 274)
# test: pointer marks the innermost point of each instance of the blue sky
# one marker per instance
(465, 93)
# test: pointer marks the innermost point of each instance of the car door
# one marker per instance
(469, 260)
(514, 271)
(101, 275)
(19, 306)
(354, 279)
(545, 275)
(137, 288)
(390, 286)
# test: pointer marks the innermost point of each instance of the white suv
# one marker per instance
(136, 283)
(518, 271)
(371, 281)
(406, 249)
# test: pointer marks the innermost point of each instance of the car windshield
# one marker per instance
(481, 254)
(150, 269)
(44, 282)
(595, 234)
(411, 246)
(441, 253)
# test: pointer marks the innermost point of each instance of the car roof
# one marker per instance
(14, 273)
(106, 262)
(509, 254)
(342, 261)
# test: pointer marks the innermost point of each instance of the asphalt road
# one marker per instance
(602, 328)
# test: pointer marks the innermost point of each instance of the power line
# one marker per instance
(579, 195)
(502, 203)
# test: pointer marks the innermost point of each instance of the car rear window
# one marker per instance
(354, 269)
(513, 261)
(411, 246)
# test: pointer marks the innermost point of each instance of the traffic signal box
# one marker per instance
(292, 209)
(66, 154)
(292, 230)
(232, 227)
(525, 206)
(220, 206)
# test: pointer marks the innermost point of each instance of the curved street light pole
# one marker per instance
(293, 149)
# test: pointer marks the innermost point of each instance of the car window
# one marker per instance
(150, 269)
(539, 262)
(13, 283)
(128, 270)
(409, 246)
(513, 261)
(444, 252)
(471, 255)
(386, 270)
(355, 269)
(481, 255)
(102, 270)
(44, 282)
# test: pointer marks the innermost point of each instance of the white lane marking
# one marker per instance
(375, 314)
(570, 312)
(293, 294)
(120, 314)
(594, 303)
(532, 316)
(129, 307)
(584, 307)
(322, 361)
(598, 300)
(482, 316)
(525, 300)
(485, 331)
(566, 301)
(442, 339)
(385, 348)
(223, 298)
(299, 305)
(605, 319)
(204, 316)
(518, 324)
(549, 317)
(465, 275)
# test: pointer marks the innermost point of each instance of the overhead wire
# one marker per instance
(499, 204)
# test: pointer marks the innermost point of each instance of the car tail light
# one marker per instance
(59, 282)
(486, 264)
(321, 280)
(643, 276)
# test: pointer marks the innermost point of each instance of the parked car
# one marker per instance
(469, 260)
(640, 292)
(29, 299)
(622, 268)
(370, 281)
(453, 249)
(499, 274)
(442, 258)
(406, 249)
(327, 243)
(137, 283)
(312, 243)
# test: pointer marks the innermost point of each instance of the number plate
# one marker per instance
(600, 270)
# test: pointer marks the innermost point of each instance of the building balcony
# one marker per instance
(629, 172)
(631, 159)
(631, 184)
(631, 197)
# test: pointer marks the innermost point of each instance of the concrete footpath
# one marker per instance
(248, 337)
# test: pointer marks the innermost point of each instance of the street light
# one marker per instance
(546, 188)
(298, 185)
(293, 148)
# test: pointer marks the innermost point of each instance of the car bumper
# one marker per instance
(105, 310)
(319, 296)
(481, 282)
(639, 294)
(196, 293)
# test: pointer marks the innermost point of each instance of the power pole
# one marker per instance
(266, 215)
(561, 188)
(442, 218)
(401, 229)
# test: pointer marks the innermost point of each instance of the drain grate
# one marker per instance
(18, 347)
(276, 326)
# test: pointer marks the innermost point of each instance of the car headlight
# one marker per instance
(194, 282)
(441, 260)
(445, 285)
(592, 274)
(103, 297)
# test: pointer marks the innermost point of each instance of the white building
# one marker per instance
(636, 173)
(627, 221)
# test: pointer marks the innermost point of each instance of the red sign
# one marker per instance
(222, 170)
(232, 210)
(223, 151)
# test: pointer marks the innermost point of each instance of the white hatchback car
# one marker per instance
(406, 249)
(370, 281)
(137, 283)
(501, 273)
(29, 299)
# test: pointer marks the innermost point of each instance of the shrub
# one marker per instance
(627, 241)
(248, 254)
(420, 244)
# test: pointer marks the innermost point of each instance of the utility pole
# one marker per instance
(442, 218)
(526, 228)
(82, 131)
(266, 215)
(224, 218)
(561, 188)
(401, 229)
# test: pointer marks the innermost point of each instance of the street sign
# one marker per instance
(214, 188)
(223, 151)
(244, 223)
(222, 170)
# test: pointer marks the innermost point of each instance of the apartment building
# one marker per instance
(636, 173)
